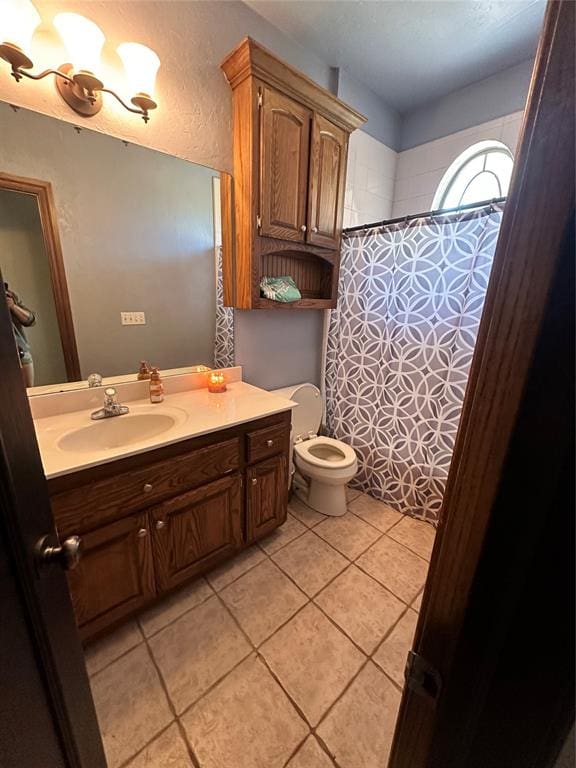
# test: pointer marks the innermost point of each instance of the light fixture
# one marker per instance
(78, 80)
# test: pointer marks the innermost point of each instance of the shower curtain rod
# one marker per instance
(437, 212)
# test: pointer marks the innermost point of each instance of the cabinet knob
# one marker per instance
(303, 228)
(147, 487)
(141, 533)
(254, 481)
(160, 524)
(269, 443)
(314, 229)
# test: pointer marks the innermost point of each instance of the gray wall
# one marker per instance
(137, 235)
(279, 347)
(480, 102)
(384, 123)
(25, 268)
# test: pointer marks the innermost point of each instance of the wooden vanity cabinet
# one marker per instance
(290, 150)
(150, 523)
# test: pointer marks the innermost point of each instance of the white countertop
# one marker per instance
(195, 413)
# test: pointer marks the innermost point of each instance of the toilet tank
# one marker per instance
(307, 416)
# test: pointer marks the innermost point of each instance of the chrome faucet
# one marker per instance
(111, 406)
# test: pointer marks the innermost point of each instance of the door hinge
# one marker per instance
(259, 221)
(260, 99)
(422, 677)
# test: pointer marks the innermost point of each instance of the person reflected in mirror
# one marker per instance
(21, 317)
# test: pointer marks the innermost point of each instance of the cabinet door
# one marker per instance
(328, 151)
(284, 145)
(115, 576)
(196, 530)
(267, 494)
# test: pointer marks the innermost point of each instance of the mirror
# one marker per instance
(110, 254)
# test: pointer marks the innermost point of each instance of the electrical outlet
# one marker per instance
(132, 318)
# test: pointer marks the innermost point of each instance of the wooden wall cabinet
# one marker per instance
(290, 150)
(152, 522)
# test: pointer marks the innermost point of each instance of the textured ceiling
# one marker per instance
(415, 51)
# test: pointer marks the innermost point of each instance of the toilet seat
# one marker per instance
(325, 453)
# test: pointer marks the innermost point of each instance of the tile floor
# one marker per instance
(289, 656)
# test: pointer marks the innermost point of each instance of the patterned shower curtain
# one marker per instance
(224, 330)
(400, 346)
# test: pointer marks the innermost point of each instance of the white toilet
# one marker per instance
(323, 465)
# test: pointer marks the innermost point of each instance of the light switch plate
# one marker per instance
(132, 318)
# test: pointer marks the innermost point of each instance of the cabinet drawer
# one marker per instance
(267, 442)
(93, 504)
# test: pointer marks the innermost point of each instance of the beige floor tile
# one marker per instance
(103, 652)
(310, 755)
(375, 512)
(391, 655)
(131, 705)
(246, 721)
(416, 535)
(166, 751)
(396, 568)
(310, 562)
(282, 535)
(348, 534)
(361, 607)
(228, 572)
(304, 513)
(262, 600)
(359, 730)
(173, 606)
(352, 493)
(417, 604)
(313, 661)
(197, 650)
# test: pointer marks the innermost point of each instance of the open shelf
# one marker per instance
(312, 274)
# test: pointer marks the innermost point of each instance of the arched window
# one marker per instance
(480, 173)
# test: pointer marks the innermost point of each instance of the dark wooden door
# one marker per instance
(196, 530)
(48, 717)
(284, 147)
(267, 494)
(328, 152)
(123, 552)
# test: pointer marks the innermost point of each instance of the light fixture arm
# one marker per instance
(143, 112)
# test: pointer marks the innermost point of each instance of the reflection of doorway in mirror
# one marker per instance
(26, 270)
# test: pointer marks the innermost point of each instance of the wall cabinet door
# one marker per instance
(284, 146)
(115, 576)
(267, 496)
(196, 530)
(328, 152)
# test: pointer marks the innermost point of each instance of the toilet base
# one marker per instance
(324, 498)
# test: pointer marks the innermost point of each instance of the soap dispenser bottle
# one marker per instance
(156, 387)
(144, 371)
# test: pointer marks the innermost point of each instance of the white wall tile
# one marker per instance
(370, 180)
(419, 170)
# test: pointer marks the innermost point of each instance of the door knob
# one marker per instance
(269, 443)
(314, 229)
(141, 533)
(147, 487)
(67, 554)
(254, 481)
(303, 228)
(160, 524)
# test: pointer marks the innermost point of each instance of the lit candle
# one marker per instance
(216, 383)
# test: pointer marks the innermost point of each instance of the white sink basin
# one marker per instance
(120, 431)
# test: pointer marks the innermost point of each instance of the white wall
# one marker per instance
(369, 180)
(420, 170)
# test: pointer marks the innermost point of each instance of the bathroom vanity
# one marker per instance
(156, 519)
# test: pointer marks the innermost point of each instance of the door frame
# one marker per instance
(530, 253)
(42, 191)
